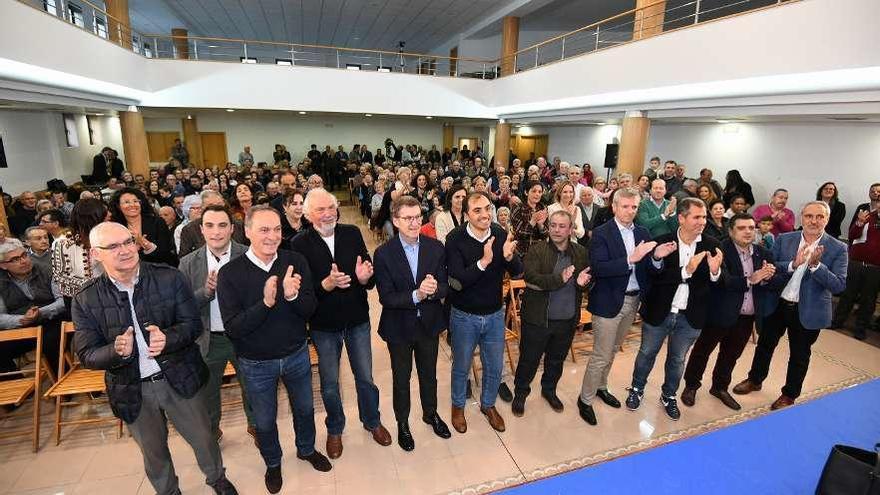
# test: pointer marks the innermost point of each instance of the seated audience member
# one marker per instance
(656, 213)
(765, 236)
(129, 207)
(293, 221)
(28, 297)
(242, 201)
(192, 211)
(588, 211)
(737, 206)
(53, 222)
(453, 216)
(828, 193)
(60, 203)
(783, 218)
(716, 224)
(688, 190)
(736, 186)
(72, 262)
(37, 241)
(529, 219)
(167, 214)
(429, 229)
(503, 217)
(653, 171)
(43, 205)
(672, 181)
(707, 194)
(863, 273)
(707, 180)
(23, 213)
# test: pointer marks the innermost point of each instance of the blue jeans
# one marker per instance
(681, 337)
(468, 331)
(360, 356)
(261, 383)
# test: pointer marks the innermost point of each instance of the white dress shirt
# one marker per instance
(148, 365)
(266, 267)
(629, 241)
(215, 265)
(685, 253)
(792, 290)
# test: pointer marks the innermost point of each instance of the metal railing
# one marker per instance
(632, 25)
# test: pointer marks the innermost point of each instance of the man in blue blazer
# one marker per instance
(619, 261)
(813, 265)
(411, 278)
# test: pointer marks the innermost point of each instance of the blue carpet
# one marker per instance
(780, 453)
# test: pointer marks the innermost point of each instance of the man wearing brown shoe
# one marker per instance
(813, 267)
(477, 255)
(749, 274)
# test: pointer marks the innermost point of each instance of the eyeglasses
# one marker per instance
(411, 219)
(116, 246)
(17, 259)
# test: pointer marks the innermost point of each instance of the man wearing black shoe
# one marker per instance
(412, 313)
(677, 301)
(556, 274)
(813, 267)
(620, 253)
(265, 298)
(737, 303)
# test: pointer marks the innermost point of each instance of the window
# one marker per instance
(148, 51)
(101, 27)
(51, 7)
(247, 60)
(283, 61)
(352, 67)
(91, 130)
(70, 131)
(383, 69)
(135, 44)
(75, 14)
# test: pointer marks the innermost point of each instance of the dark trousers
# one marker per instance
(424, 350)
(220, 351)
(733, 341)
(800, 340)
(552, 343)
(862, 286)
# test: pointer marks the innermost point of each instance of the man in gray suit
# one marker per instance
(200, 268)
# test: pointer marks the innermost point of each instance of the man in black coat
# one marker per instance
(139, 322)
(736, 305)
(677, 302)
(412, 313)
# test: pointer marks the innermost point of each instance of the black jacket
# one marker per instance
(727, 298)
(339, 308)
(162, 297)
(540, 280)
(401, 319)
(665, 281)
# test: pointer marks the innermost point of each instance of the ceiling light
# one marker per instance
(99, 115)
(189, 117)
(302, 113)
(600, 123)
(429, 117)
(230, 109)
(247, 60)
(368, 115)
(721, 121)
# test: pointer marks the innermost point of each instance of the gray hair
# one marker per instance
(625, 192)
(11, 244)
(624, 176)
(823, 204)
(27, 233)
(98, 231)
(252, 212)
(189, 202)
(689, 182)
(208, 194)
(564, 213)
(307, 202)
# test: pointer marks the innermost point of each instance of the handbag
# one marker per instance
(850, 471)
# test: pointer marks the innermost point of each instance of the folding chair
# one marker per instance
(14, 392)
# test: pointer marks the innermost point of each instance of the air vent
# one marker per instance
(848, 119)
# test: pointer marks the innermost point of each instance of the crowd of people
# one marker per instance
(168, 277)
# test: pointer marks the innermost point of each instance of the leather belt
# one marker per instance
(155, 377)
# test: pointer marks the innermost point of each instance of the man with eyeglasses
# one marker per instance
(28, 297)
(139, 321)
(342, 274)
(412, 314)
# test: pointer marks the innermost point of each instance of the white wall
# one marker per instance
(481, 133)
(576, 144)
(36, 148)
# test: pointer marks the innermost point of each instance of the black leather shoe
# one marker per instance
(437, 424)
(725, 398)
(518, 407)
(318, 461)
(224, 487)
(587, 413)
(273, 479)
(689, 396)
(553, 400)
(504, 393)
(404, 437)
(607, 398)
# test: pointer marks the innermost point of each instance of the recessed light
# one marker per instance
(600, 123)
(99, 115)
(189, 117)
(302, 113)
(368, 115)
(429, 117)
(230, 109)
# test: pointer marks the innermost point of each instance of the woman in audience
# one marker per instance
(128, 179)
(587, 175)
(129, 207)
(424, 193)
(516, 184)
(504, 218)
(735, 185)
(564, 197)
(716, 224)
(828, 193)
(644, 186)
(503, 197)
(293, 222)
(705, 192)
(430, 228)
(72, 263)
(454, 214)
(600, 192)
(243, 201)
(280, 154)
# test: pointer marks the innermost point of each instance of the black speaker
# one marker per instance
(611, 151)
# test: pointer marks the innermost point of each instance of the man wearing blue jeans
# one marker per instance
(676, 303)
(477, 255)
(340, 264)
(265, 298)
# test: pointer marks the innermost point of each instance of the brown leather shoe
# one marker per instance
(381, 435)
(458, 420)
(782, 401)
(334, 446)
(689, 396)
(746, 387)
(726, 399)
(495, 419)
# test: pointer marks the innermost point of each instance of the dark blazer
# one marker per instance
(665, 281)
(156, 231)
(727, 298)
(611, 271)
(589, 224)
(99, 168)
(401, 320)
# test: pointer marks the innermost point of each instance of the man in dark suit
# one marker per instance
(737, 303)
(412, 314)
(619, 255)
(813, 266)
(588, 212)
(677, 301)
(366, 155)
(107, 164)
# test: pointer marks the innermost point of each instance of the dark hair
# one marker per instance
(712, 203)
(766, 218)
(471, 197)
(654, 158)
(85, 215)
(56, 215)
(532, 183)
(403, 202)
(116, 211)
(217, 208)
(289, 195)
(456, 186)
(833, 198)
(733, 181)
(685, 205)
(739, 216)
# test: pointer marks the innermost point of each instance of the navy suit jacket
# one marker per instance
(817, 286)
(610, 268)
(401, 320)
(727, 298)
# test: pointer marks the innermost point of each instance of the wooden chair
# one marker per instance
(511, 293)
(15, 391)
(227, 373)
(75, 380)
